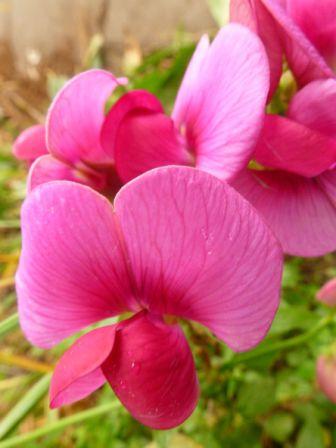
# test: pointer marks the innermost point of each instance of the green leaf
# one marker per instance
(58, 425)
(311, 435)
(280, 426)
(220, 10)
(9, 324)
(22, 408)
(257, 397)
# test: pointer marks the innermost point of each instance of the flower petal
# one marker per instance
(326, 371)
(76, 116)
(196, 248)
(313, 106)
(31, 143)
(136, 101)
(219, 116)
(146, 141)
(72, 270)
(152, 371)
(297, 209)
(327, 294)
(317, 19)
(287, 145)
(47, 168)
(303, 58)
(78, 373)
(255, 16)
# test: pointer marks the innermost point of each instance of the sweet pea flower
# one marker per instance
(216, 119)
(31, 144)
(68, 146)
(214, 126)
(293, 183)
(326, 376)
(303, 30)
(327, 294)
(176, 242)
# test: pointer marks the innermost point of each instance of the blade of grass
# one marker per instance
(9, 324)
(60, 424)
(25, 363)
(22, 408)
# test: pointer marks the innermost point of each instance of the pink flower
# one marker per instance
(305, 30)
(215, 123)
(326, 376)
(177, 242)
(31, 144)
(327, 294)
(69, 144)
(294, 183)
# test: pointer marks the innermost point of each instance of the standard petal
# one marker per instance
(152, 371)
(146, 141)
(196, 248)
(303, 58)
(219, 116)
(76, 116)
(31, 143)
(287, 145)
(47, 168)
(136, 101)
(317, 19)
(297, 209)
(255, 16)
(327, 294)
(78, 373)
(313, 106)
(72, 270)
(326, 372)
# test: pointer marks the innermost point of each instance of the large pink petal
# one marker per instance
(76, 116)
(317, 19)
(136, 101)
(220, 117)
(31, 143)
(47, 168)
(297, 209)
(303, 58)
(255, 16)
(146, 141)
(196, 248)
(152, 371)
(326, 372)
(327, 294)
(287, 145)
(78, 373)
(72, 269)
(314, 106)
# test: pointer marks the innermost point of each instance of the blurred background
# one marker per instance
(267, 398)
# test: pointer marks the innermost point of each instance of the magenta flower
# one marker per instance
(305, 30)
(177, 242)
(69, 144)
(327, 294)
(217, 116)
(294, 182)
(326, 376)
(31, 144)
(215, 123)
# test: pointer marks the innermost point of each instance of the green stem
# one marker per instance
(58, 425)
(8, 224)
(9, 324)
(280, 345)
(21, 409)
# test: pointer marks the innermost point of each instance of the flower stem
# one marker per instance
(58, 425)
(280, 345)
